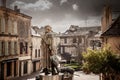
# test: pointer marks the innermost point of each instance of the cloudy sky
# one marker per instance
(60, 14)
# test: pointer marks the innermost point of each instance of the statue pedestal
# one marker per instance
(42, 76)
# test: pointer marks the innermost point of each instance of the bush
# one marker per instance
(102, 61)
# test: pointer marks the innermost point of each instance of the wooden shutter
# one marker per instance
(0, 48)
(3, 25)
(6, 48)
(3, 48)
(9, 48)
(12, 48)
(0, 24)
(17, 48)
(15, 27)
(9, 26)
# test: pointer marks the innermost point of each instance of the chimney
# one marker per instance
(4, 3)
(16, 9)
(107, 18)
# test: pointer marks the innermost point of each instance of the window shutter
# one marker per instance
(0, 48)
(9, 30)
(0, 24)
(3, 25)
(9, 48)
(6, 48)
(17, 48)
(12, 48)
(15, 27)
(3, 48)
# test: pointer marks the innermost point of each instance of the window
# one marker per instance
(0, 24)
(9, 68)
(92, 43)
(65, 40)
(98, 43)
(25, 67)
(74, 40)
(26, 47)
(21, 48)
(0, 48)
(3, 47)
(80, 40)
(15, 27)
(3, 24)
(39, 52)
(63, 49)
(9, 26)
(15, 47)
(9, 47)
(6, 48)
(12, 48)
(35, 52)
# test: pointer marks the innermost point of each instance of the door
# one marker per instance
(2, 71)
(15, 68)
(34, 66)
(20, 69)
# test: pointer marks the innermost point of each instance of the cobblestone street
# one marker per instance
(77, 76)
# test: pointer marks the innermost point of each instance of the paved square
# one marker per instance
(82, 76)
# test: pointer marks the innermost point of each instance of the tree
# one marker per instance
(102, 61)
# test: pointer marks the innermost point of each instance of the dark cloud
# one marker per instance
(86, 7)
(56, 13)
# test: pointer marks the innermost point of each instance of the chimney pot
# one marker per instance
(16, 9)
(4, 3)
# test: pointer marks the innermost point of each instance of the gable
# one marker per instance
(114, 29)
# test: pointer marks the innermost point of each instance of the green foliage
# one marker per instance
(101, 61)
(74, 66)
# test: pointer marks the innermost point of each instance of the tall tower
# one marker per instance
(107, 17)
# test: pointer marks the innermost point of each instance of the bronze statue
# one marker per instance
(48, 51)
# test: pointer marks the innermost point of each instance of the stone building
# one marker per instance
(36, 55)
(76, 40)
(14, 43)
(94, 42)
(111, 30)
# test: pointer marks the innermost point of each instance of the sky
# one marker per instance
(60, 14)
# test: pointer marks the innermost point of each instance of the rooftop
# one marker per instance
(113, 29)
(14, 12)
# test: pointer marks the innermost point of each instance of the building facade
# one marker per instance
(14, 43)
(24, 39)
(111, 30)
(36, 51)
(76, 40)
